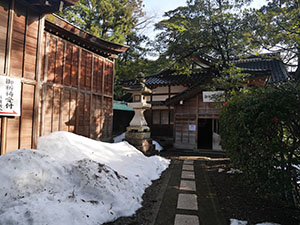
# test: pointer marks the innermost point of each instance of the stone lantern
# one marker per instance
(138, 133)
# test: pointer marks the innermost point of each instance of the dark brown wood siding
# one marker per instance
(3, 33)
(187, 114)
(19, 52)
(65, 87)
(73, 98)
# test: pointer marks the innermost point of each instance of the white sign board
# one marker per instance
(10, 96)
(212, 96)
(192, 127)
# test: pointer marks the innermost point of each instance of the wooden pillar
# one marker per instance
(78, 91)
(91, 96)
(3, 134)
(38, 87)
(169, 111)
(197, 117)
(112, 99)
(44, 86)
(7, 73)
(102, 99)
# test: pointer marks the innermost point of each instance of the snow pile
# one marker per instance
(240, 222)
(237, 222)
(233, 171)
(297, 167)
(74, 180)
(121, 137)
(221, 170)
(158, 147)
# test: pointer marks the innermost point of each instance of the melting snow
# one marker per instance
(237, 222)
(240, 222)
(121, 137)
(73, 180)
(233, 171)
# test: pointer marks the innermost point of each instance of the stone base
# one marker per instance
(141, 129)
(141, 140)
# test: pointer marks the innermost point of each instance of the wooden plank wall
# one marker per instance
(77, 90)
(19, 36)
(207, 110)
(188, 114)
(185, 115)
(64, 86)
(4, 14)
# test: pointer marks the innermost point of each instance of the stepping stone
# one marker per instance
(187, 201)
(188, 162)
(187, 185)
(186, 220)
(188, 167)
(187, 175)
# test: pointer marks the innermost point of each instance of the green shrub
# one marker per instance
(260, 130)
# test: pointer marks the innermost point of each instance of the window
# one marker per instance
(156, 117)
(164, 117)
(160, 117)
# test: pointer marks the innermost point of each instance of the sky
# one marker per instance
(158, 7)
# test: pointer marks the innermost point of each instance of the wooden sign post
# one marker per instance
(3, 134)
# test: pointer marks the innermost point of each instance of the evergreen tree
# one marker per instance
(111, 20)
(276, 27)
(204, 27)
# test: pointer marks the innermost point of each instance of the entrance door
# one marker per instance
(205, 134)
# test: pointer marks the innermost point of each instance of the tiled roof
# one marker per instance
(49, 6)
(176, 79)
(275, 67)
(166, 78)
(256, 66)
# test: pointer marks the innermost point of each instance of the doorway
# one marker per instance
(205, 134)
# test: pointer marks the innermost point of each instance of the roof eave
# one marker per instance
(46, 7)
(66, 30)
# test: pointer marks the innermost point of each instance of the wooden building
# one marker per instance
(179, 112)
(66, 74)
(161, 116)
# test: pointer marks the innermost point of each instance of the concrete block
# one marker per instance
(188, 162)
(187, 175)
(187, 201)
(188, 167)
(187, 185)
(181, 219)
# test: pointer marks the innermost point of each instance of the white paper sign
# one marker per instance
(210, 96)
(10, 96)
(192, 127)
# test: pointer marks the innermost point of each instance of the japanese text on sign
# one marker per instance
(10, 95)
(213, 96)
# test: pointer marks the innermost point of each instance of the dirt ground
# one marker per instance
(234, 199)
(238, 201)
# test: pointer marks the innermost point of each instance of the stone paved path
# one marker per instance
(188, 199)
